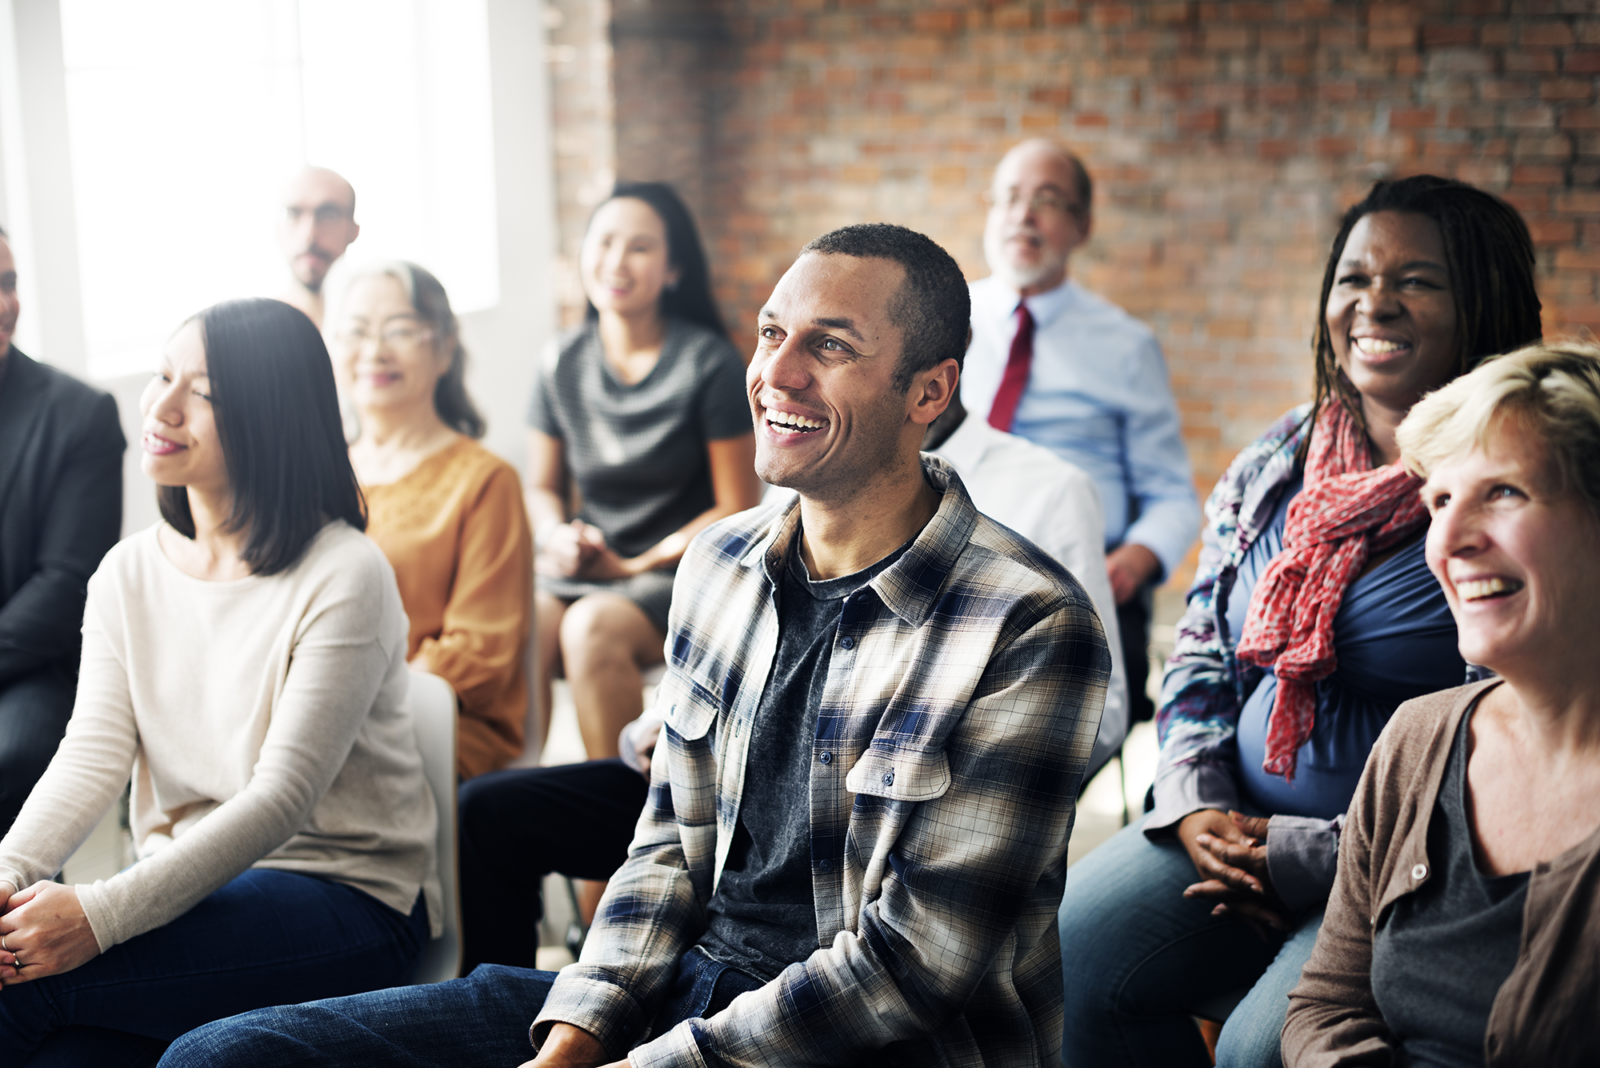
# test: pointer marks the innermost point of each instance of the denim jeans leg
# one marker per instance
(1138, 958)
(1250, 1038)
(265, 937)
(482, 1019)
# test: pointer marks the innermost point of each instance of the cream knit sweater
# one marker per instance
(263, 723)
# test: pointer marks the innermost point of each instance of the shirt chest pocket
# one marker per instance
(900, 775)
(686, 706)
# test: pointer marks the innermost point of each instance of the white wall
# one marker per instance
(36, 206)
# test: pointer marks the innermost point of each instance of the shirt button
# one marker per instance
(888, 777)
(826, 758)
(1419, 872)
(848, 642)
(824, 864)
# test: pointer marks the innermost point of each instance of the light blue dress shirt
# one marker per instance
(1098, 397)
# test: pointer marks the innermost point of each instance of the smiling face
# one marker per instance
(1391, 313)
(387, 358)
(625, 262)
(1514, 556)
(179, 438)
(10, 306)
(1035, 220)
(821, 383)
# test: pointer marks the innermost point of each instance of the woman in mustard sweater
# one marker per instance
(446, 511)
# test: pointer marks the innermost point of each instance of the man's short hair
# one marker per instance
(932, 309)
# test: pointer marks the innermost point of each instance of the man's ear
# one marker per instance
(931, 391)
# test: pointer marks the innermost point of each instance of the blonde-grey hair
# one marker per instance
(1549, 391)
(432, 305)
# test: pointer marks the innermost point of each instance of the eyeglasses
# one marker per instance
(321, 215)
(1044, 202)
(396, 335)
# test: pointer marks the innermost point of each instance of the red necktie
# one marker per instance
(1015, 380)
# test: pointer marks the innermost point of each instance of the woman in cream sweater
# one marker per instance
(244, 663)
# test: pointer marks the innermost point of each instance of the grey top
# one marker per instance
(637, 452)
(763, 916)
(1440, 955)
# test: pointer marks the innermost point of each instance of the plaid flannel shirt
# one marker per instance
(961, 705)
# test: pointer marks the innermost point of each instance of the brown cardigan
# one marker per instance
(1547, 1012)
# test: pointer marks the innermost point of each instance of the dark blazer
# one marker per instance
(60, 509)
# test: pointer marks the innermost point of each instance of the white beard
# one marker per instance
(1013, 275)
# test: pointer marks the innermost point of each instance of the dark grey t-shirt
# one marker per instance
(763, 917)
(1441, 954)
(638, 452)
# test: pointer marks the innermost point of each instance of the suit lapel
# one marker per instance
(20, 414)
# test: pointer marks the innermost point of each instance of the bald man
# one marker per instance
(318, 224)
(1055, 364)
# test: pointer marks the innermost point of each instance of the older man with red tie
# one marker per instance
(1058, 365)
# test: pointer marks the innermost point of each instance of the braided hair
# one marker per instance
(1489, 254)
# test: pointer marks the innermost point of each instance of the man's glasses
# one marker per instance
(1043, 202)
(321, 215)
(396, 335)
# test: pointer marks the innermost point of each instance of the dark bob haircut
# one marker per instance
(1489, 254)
(933, 308)
(690, 299)
(282, 439)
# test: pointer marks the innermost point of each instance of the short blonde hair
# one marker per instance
(1548, 390)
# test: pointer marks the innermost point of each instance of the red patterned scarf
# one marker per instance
(1346, 512)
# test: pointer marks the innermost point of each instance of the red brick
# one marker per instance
(1203, 120)
(1580, 119)
(1531, 61)
(1582, 61)
(1567, 89)
(1557, 34)
(1530, 118)
(1576, 259)
(1392, 37)
(937, 21)
(1436, 35)
(1538, 174)
(1390, 14)
(1228, 39)
(1104, 15)
(1413, 118)
(1584, 202)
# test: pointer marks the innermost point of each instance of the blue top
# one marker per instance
(1098, 397)
(1395, 640)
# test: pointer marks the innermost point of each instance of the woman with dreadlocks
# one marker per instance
(1312, 617)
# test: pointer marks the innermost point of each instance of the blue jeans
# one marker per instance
(1138, 960)
(482, 1019)
(266, 936)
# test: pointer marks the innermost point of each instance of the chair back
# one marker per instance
(433, 712)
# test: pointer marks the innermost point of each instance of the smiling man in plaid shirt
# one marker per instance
(878, 707)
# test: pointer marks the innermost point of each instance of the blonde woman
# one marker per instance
(1464, 926)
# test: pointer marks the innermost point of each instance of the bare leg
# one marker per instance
(606, 642)
(547, 613)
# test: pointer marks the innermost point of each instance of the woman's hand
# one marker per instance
(569, 549)
(45, 933)
(1230, 853)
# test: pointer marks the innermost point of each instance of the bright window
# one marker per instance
(186, 117)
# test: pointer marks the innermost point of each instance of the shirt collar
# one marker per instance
(964, 448)
(909, 586)
(1046, 306)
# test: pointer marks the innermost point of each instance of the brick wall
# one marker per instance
(1224, 138)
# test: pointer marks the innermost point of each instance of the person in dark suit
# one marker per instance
(60, 510)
